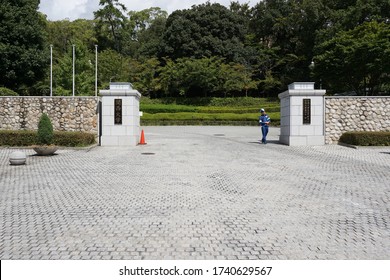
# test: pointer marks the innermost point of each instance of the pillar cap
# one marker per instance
(119, 92)
(301, 85)
(302, 89)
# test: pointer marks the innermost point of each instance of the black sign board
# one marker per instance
(306, 111)
(118, 111)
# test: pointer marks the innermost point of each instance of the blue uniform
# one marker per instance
(264, 120)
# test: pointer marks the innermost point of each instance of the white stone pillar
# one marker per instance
(302, 115)
(120, 115)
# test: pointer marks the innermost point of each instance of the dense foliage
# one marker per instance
(207, 50)
(22, 55)
(205, 31)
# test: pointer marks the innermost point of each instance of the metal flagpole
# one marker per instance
(73, 46)
(96, 68)
(51, 70)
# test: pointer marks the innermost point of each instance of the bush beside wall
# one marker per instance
(73, 138)
(18, 138)
(22, 138)
(366, 138)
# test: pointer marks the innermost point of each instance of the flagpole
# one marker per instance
(51, 70)
(96, 69)
(73, 47)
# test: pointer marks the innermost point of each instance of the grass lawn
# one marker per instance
(218, 111)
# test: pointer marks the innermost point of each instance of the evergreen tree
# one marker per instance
(23, 60)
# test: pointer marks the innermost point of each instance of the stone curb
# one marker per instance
(59, 147)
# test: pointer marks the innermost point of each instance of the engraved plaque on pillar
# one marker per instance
(306, 111)
(118, 111)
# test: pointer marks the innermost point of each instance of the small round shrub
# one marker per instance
(45, 130)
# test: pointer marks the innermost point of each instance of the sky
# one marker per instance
(75, 9)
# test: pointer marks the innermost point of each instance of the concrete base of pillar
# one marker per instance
(302, 140)
(128, 140)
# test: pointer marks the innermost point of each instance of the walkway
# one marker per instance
(198, 193)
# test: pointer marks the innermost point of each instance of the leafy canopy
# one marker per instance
(23, 59)
(203, 31)
(357, 59)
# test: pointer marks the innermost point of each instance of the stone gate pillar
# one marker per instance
(302, 115)
(120, 119)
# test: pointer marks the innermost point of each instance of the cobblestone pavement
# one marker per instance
(198, 193)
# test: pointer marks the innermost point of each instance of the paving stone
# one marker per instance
(198, 197)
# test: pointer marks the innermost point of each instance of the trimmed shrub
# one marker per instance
(213, 101)
(188, 118)
(74, 139)
(207, 111)
(197, 122)
(18, 138)
(208, 116)
(172, 108)
(45, 130)
(22, 138)
(168, 108)
(7, 92)
(366, 138)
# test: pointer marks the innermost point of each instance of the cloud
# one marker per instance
(74, 9)
(89, 7)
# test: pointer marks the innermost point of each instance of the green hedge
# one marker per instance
(208, 116)
(197, 122)
(61, 138)
(188, 118)
(172, 108)
(207, 111)
(212, 101)
(366, 138)
(18, 138)
(74, 139)
(166, 108)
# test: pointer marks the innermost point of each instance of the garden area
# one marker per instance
(208, 111)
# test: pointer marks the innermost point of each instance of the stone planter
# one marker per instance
(45, 150)
(17, 158)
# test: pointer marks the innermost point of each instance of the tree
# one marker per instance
(143, 75)
(148, 27)
(23, 57)
(111, 25)
(113, 67)
(286, 31)
(204, 31)
(84, 74)
(236, 78)
(346, 15)
(192, 77)
(62, 34)
(142, 20)
(358, 59)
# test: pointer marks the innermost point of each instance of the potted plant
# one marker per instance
(45, 145)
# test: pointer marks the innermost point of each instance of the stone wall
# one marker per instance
(344, 114)
(66, 113)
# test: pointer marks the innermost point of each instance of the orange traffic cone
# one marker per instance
(142, 141)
